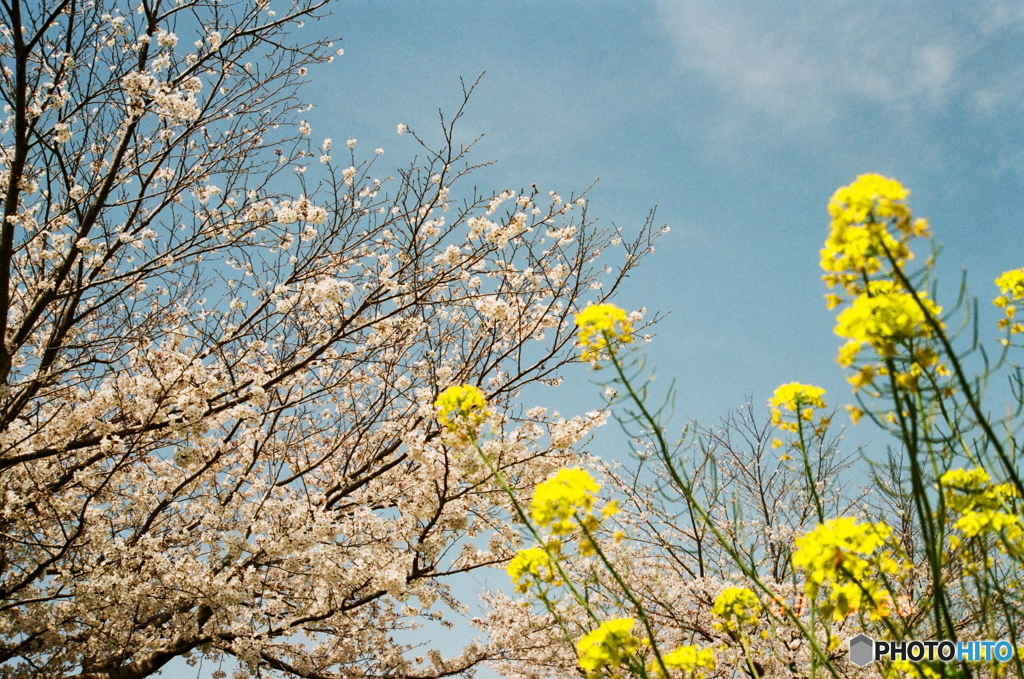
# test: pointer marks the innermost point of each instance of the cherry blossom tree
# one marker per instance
(220, 349)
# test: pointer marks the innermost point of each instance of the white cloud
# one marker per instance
(805, 63)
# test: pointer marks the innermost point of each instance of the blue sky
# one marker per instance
(737, 120)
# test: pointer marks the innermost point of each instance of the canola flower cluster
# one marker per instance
(1011, 285)
(848, 556)
(530, 566)
(568, 498)
(611, 644)
(860, 241)
(984, 508)
(736, 606)
(871, 227)
(800, 399)
(884, 315)
(462, 410)
(688, 659)
(561, 504)
(601, 325)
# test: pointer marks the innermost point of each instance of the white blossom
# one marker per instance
(165, 39)
(61, 133)
(348, 173)
(221, 437)
(288, 212)
(451, 256)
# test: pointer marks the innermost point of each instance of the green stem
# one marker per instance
(655, 430)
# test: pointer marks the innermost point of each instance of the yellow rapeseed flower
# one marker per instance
(689, 659)
(884, 315)
(608, 646)
(862, 377)
(1011, 284)
(985, 508)
(859, 237)
(795, 396)
(736, 605)
(966, 489)
(974, 523)
(800, 399)
(843, 552)
(860, 248)
(838, 544)
(961, 486)
(557, 500)
(599, 325)
(869, 192)
(530, 565)
(462, 409)
(855, 413)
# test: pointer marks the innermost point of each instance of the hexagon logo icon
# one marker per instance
(862, 650)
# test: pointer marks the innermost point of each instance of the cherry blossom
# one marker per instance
(217, 376)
